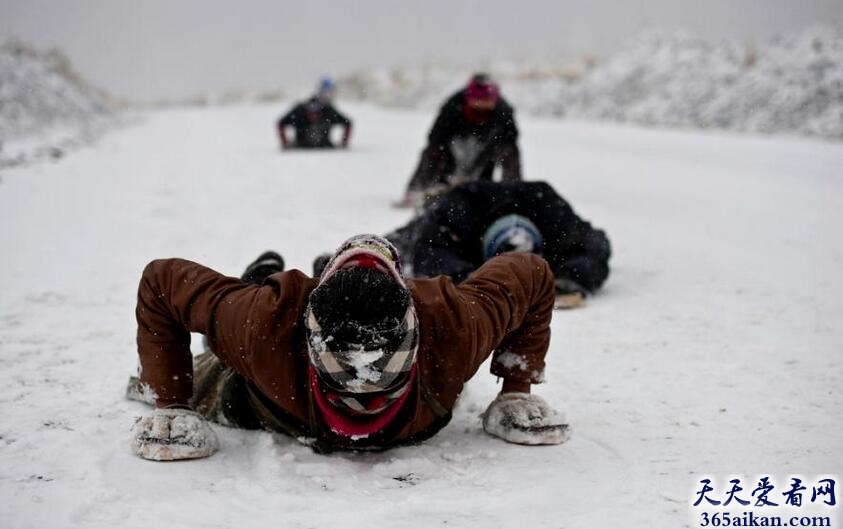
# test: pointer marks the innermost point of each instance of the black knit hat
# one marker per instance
(361, 324)
(360, 306)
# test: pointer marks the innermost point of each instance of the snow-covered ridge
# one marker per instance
(45, 106)
(424, 87)
(792, 84)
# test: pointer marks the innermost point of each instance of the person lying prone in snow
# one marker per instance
(359, 358)
(475, 221)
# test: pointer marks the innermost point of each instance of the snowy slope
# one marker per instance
(46, 108)
(714, 348)
(791, 84)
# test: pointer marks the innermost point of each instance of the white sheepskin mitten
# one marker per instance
(170, 434)
(525, 419)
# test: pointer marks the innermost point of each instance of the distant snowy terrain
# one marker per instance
(714, 349)
(45, 107)
(790, 85)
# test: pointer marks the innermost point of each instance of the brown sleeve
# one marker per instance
(177, 297)
(510, 299)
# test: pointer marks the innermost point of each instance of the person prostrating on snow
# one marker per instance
(313, 120)
(474, 132)
(475, 221)
(359, 358)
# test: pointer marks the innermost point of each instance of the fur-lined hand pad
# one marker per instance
(173, 434)
(525, 419)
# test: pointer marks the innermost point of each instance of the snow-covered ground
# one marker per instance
(714, 349)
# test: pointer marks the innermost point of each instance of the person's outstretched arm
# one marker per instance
(335, 117)
(510, 299)
(346, 136)
(175, 298)
(509, 302)
(290, 119)
(441, 132)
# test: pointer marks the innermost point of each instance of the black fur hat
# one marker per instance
(360, 305)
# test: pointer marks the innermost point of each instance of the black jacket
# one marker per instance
(312, 121)
(451, 123)
(448, 237)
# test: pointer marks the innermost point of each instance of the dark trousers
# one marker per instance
(437, 164)
(586, 262)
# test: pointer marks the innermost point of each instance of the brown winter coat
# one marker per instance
(505, 307)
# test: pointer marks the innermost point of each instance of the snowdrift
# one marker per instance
(791, 85)
(45, 106)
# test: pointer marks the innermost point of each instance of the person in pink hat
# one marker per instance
(359, 358)
(474, 132)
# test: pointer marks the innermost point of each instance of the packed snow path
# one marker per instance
(714, 348)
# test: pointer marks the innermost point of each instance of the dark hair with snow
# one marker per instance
(361, 305)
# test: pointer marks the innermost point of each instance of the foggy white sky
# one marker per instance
(149, 49)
